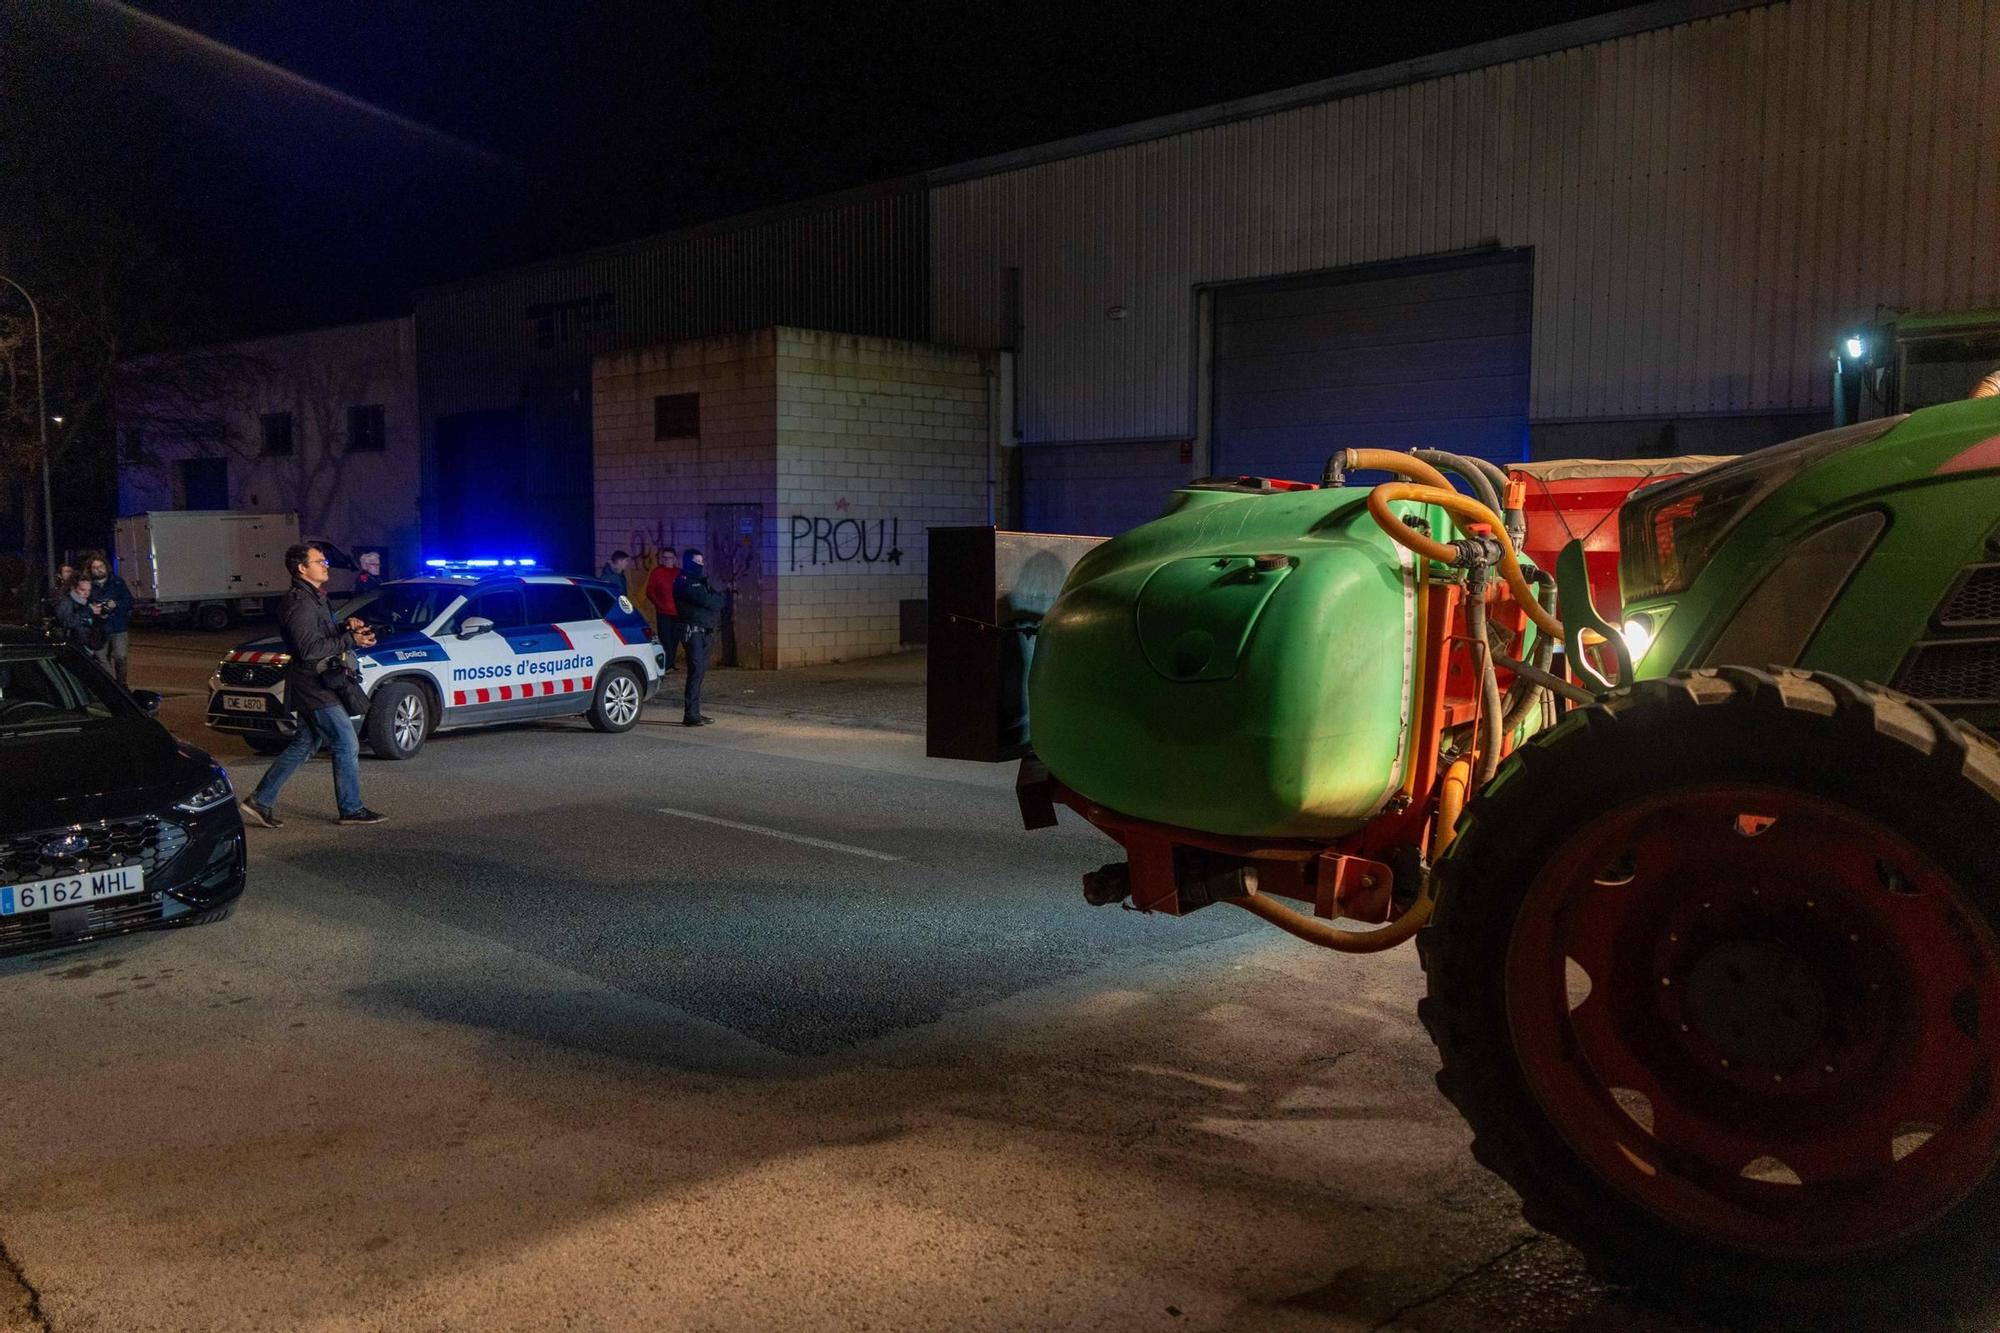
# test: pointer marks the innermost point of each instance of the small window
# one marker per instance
(557, 604)
(277, 434)
(367, 429)
(502, 606)
(132, 444)
(677, 416)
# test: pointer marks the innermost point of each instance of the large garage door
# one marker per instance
(1431, 353)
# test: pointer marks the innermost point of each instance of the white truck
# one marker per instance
(208, 566)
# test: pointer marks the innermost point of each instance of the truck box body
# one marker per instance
(179, 561)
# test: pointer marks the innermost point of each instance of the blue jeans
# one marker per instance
(697, 671)
(320, 726)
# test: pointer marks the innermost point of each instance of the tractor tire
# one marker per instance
(619, 698)
(399, 720)
(1713, 977)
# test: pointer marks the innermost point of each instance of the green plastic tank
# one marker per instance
(1241, 665)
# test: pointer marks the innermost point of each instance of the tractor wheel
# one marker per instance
(1714, 978)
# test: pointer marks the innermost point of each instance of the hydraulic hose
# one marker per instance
(1467, 510)
(1469, 468)
(1532, 676)
(1491, 712)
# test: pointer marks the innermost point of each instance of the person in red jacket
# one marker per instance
(660, 592)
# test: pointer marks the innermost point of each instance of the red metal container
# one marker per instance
(1568, 498)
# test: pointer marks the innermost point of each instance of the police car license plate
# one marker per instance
(40, 895)
(243, 703)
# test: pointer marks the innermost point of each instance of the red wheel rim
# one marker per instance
(1764, 1016)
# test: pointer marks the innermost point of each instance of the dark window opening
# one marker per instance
(277, 434)
(556, 604)
(677, 416)
(502, 606)
(367, 429)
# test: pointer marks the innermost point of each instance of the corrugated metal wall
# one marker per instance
(1708, 205)
(852, 264)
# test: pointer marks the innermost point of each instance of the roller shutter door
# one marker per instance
(1432, 353)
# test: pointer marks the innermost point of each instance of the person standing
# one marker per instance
(698, 608)
(368, 572)
(614, 569)
(82, 620)
(660, 592)
(111, 590)
(315, 681)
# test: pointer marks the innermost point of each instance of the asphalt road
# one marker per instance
(771, 1025)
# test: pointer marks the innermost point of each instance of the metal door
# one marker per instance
(734, 532)
(1430, 352)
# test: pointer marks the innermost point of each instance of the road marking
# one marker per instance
(780, 833)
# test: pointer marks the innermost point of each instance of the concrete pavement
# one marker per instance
(773, 1025)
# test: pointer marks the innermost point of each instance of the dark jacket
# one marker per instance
(113, 589)
(83, 627)
(697, 602)
(314, 641)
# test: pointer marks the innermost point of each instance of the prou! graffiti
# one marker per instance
(840, 541)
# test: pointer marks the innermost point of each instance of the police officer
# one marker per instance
(698, 604)
(313, 678)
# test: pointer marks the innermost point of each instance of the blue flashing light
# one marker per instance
(483, 562)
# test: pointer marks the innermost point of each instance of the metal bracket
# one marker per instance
(1579, 613)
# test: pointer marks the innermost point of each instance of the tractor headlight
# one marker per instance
(1668, 533)
(1855, 347)
(1639, 631)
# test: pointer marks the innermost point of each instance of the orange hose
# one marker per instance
(1451, 801)
(1327, 935)
(1403, 465)
(1466, 510)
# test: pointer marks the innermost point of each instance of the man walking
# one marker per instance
(698, 606)
(660, 592)
(109, 589)
(314, 681)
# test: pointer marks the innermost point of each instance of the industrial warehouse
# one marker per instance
(1641, 234)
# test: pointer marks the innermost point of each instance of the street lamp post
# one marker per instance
(42, 421)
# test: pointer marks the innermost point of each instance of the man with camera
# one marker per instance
(322, 689)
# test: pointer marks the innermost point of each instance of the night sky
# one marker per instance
(297, 164)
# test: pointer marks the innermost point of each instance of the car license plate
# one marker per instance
(40, 895)
(244, 703)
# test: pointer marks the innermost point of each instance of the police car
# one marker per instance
(467, 644)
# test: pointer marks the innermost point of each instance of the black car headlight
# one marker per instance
(216, 791)
(1667, 533)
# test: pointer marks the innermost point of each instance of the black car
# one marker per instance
(107, 823)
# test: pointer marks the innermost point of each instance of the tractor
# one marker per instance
(1710, 920)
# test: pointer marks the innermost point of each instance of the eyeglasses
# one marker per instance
(315, 562)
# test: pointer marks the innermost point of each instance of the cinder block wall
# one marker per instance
(877, 440)
(651, 494)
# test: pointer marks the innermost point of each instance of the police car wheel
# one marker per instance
(398, 720)
(619, 698)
